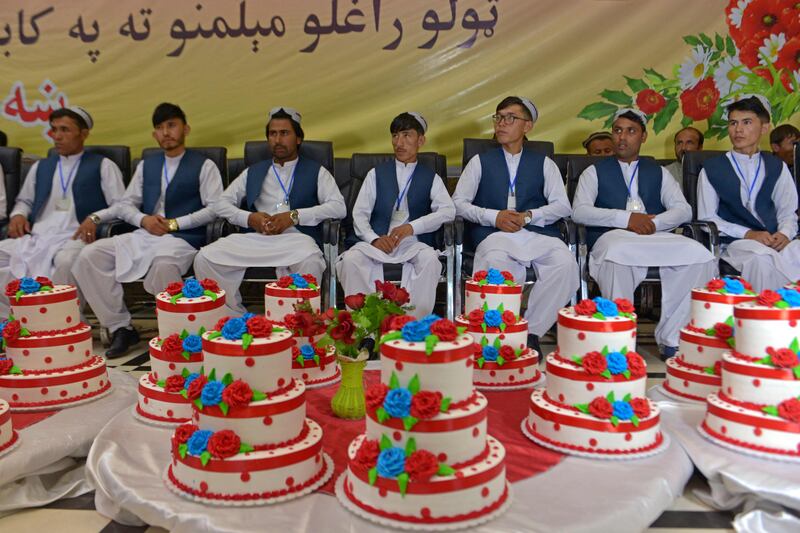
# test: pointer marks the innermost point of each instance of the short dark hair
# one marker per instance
(782, 132)
(751, 104)
(165, 111)
(630, 115)
(3, 139)
(295, 125)
(508, 101)
(406, 121)
(64, 112)
(701, 138)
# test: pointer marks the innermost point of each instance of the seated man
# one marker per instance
(752, 199)
(57, 210)
(399, 207)
(688, 139)
(782, 140)
(599, 143)
(281, 204)
(629, 206)
(512, 199)
(168, 199)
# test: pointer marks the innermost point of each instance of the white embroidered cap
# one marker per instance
(759, 97)
(83, 114)
(638, 113)
(530, 107)
(420, 119)
(292, 112)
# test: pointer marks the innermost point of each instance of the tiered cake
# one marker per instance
(503, 359)
(425, 459)
(249, 442)
(757, 409)
(185, 310)
(694, 372)
(8, 437)
(281, 296)
(594, 404)
(50, 363)
(315, 365)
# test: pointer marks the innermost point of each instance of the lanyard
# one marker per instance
(291, 181)
(405, 189)
(741, 175)
(166, 177)
(633, 177)
(65, 186)
(512, 183)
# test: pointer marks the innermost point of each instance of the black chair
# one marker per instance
(664, 162)
(561, 163)
(217, 154)
(360, 165)
(120, 155)
(11, 163)
(322, 151)
(235, 167)
(464, 257)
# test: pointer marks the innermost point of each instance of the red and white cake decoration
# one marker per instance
(280, 297)
(315, 365)
(9, 439)
(189, 305)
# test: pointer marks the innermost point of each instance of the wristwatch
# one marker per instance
(94, 218)
(528, 217)
(295, 218)
(172, 224)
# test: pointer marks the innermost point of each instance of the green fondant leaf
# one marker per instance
(614, 421)
(300, 360)
(606, 373)
(184, 334)
(391, 336)
(186, 355)
(23, 332)
(430, 343)
(482, 282)
(19, 294)
(503, 326)
(497, 344)
(161, 383)
(183, 393)
(781, 305)
(794, 345)
(316, 359)
(610, 397)
(210, 294)
(599, 316)
(624, 350)
(185, 372)
(445, 470)
(258, 396)
(245, 448)
(15, 370)
(445, 405)
(484, 341)
(604, 351)
(485, 306)
(461, 329)
(731, 342)
(198, 403)
(373, 475)
(382, 415)
(635, 421)
(227, 379)
(582, 407)
(175, 298)
(214, 334)
(402, 483)
(627, 398)
(182, 449)
(770, 410)
(247, 340)
(409, 422)
(483, 326)
(413, 385)
(411, 446)
(213, 375)
(627, 374)
(500, 360)
(481, 362)
(394, 381)
(796, 371)
(385, 442)
(765, 360)
(577, 360)
(709, 370)
(501, 308)
(46, 289)
(201, 330)
(205, 457)
(223, 406)
(729, 321)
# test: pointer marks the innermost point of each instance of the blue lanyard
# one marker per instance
(752, 185)
(405, 189)
(633, 177)
(65, 186)
(512, 183)
(166, 178)
(291, 181)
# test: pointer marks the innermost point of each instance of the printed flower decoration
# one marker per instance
(608, 364)
(205, 444)
(784, 358)
(608, 407)
(401, 464)
(694, 68)
(411, 404)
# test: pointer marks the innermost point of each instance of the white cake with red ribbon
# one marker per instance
(425, 458)
(8, 437)
(594, 404)
(315, 365)
(49, 363)
(757, 409)
(694, 372)
(503, 360)
(280, 297)
(186, 310)
(249, 441)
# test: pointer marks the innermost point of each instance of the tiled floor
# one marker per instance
(77, 515)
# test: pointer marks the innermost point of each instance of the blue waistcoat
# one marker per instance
(87, 192)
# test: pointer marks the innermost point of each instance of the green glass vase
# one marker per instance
(348, 402)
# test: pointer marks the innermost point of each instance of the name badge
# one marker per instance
(399, 217)
(512, 202)
(64, 204)
(282, 207)
(635, 205)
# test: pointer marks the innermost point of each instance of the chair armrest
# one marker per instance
(458, 228)
(219, 228)
(449, 234)
(331, 228)
(113, 228)
(569, 232)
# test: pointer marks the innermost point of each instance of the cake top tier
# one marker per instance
(494, 277)
(297, 282)
(191, 291)
(782, 299)
(245, 330)
(604, 310)
(41, 306)
(428, 334)
(735, 287)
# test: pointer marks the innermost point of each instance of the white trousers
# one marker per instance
(557, 277)
(762, 266)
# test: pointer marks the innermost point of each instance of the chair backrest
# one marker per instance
(561, 162)
(217, 154)
(692, 165)
(120, 155)
(473, 147)
(576, 164)
(11, 161)
(321, 151)
(235, 167)
(665, 162)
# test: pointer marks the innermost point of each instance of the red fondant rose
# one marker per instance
(387, 289)
(783, 357)
(636, 364)
(507, 352)
(425, 404)
(746, 284)
(718, 368)
(310, 279)
(624, 305)
(174, 384)
(586, 308)
(12, 330)
(715, 284)
(367, 454)
(297, 322)
(594, 363)
(507, 275)
(285, 281)
(790, 409)
(12, 288)
(768, 298)
(641, 407)
(221, 323)
(5, 366)
(172, 346)
(174, 288)
(401, 296)
(259, 326)
(223, 444)
(723, 331)
(196, 387)
(479, 275)
(398, 321)
(209, 285)
(44, 282)
(421, 465)
(343, 331)
(183, 432)
(475, 318)
(237, 393)
(509, 318)
(375, 394)
(355, 301)
(601, 408)
(444, 329)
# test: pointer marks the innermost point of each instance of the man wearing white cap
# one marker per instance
(751, 197)
(63, 199)
(280, 203)
(399, 207)
(169, 199)
(629, 206)
(511, 199)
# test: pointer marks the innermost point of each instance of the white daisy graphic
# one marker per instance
(730, 76)
(736, 13)
(694, 68)
(771, 48)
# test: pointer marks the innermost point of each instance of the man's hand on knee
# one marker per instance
(18, 226)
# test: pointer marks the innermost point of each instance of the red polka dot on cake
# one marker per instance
(267, 420)
(396, 435)
(739, 323)
(26, 352)
(44, 390)
(470, 363)
(757, 432)
(485, 492)
(48, 359)
(685, 383)
(723, 429)
(756, 382)
(442, 457)
(269, 313)
(560, 397)
(69, 319)
(425, 512)
(398, 365)
(590, 386)
(88, 353)
(169, 413)
(305, 376)
(280, 303)
(793, 323)
(521, 371)
(581, 336)
(86, 386)
(63, 393)
(101, 383)
(24, 320)
(492, 373)
(71, 348)
(245, 477)
(707, 305)
(289, 481)
(483, 296)
(501, 336)
(43, 310)
(556, 427)
(145, 400)
(382, 492)
(628, 436)
(593, 442)
(511, 378)
(633, 334)
(476, 432)
(191, 318)
(15, 397)
(203, 486)
(281, 382)
(249, 361)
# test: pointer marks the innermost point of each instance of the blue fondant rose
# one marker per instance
(234, 329)
(198, 442)
(299, 281)
(188, 381)
(193, 344)
(790, 296)
(212, 393)
(617, 363)
(3, 326)
(192, 288)
(495, 277)
(606, 307)
(29, 285)
(734, 286)
(622, 410)
(397, 402)
(429, 319)
(391, 462)
(490, 353)
(493, 318)
(416, 331)
(248, 316)
(307, 351)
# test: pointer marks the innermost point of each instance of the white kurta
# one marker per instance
(3, 199)
(556, 268)
(49, 249)
(359, 267)
(103, 266)
(292, 251)
(619, 259)
(762, 266)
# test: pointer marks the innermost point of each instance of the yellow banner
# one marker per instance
(350, 67)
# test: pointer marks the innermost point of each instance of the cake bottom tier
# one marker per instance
(159, 407)
(689, 382)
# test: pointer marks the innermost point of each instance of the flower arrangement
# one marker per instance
(787, 409)
(245, 328)
(12, 329)
(780, 299)
(182, 344)
(758, 56)
(495, 353)
(602, 308)
(486, 318)
(18, 288)
(608, 364)
(730, 285)
(401, 464)
(784, 358)
(410, 404)
(304, 322)
(192, 288)
(607, 407)
(723, 331)
(7, 366)
(298, 281)
(206, 444)
(494, 277)
(207, 391)
(430, 329)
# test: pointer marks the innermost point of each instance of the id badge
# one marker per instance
(63, 204)
(399, 217)
(634, 205)
(282, 207)
(512, 203)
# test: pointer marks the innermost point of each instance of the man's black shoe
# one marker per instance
(121, 342)
(533, 342)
